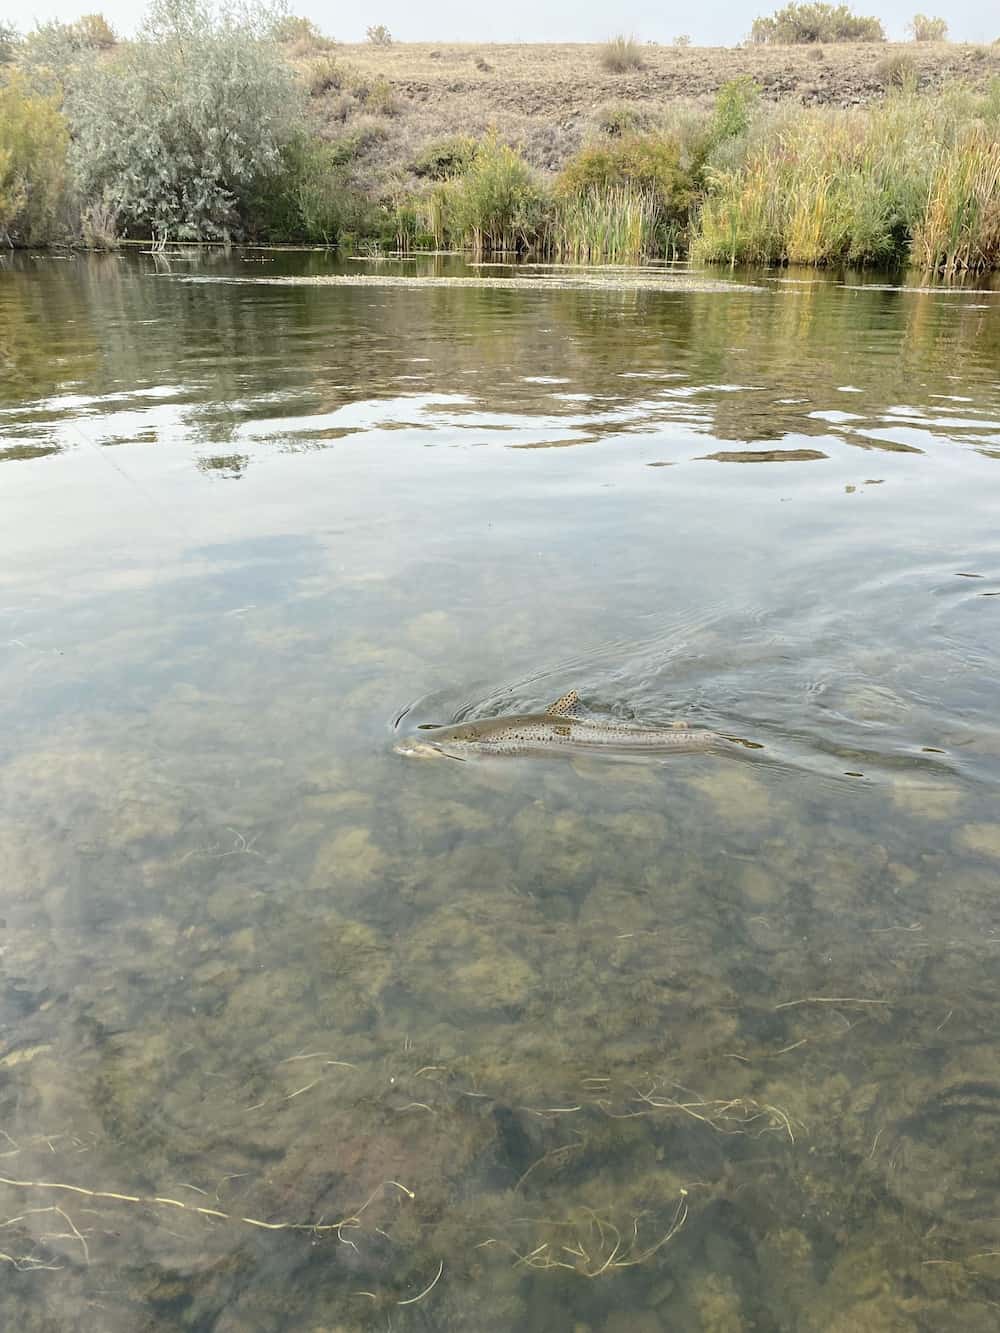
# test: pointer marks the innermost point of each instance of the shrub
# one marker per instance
(379, 35)
(898, 70)
(735, 103)
(924, 29)
(444, 157)
(323, 75)
(177, 129)
(648, 163)
(483, 65)
(618, 118)
(59, 46)
(33, 141)
(495, 205)
(310, 197)
(380, 99)
(816, 21)
(300, 33)
(364, 134)
(682, 39)
(621, 54)
(94, 32)
(49, 53)
(98, 227)
(10, 39)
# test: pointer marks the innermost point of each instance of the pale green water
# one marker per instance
(253, 961)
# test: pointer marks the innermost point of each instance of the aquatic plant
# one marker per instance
(618, 224)
(821, 186)
(960, 228)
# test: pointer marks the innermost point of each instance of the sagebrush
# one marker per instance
(816, 22)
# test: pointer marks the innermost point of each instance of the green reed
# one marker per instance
(960, 229)
(911, 178)
(617, 224)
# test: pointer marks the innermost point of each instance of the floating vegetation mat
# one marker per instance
(610, 280)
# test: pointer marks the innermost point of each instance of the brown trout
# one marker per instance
(561, 729)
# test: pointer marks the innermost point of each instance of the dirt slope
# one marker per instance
(548, 98)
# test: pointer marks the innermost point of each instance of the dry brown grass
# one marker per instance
(550, 99)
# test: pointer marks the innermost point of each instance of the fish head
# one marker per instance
(416, 747)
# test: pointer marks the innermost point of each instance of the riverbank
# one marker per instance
(549, 98)
(860, 153)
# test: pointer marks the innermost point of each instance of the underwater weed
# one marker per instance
(589, 1244)
(351, 1221)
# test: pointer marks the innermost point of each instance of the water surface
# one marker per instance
(708, 1044)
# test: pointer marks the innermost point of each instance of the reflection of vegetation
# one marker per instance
(15, 451)
(791, 346)
(224, 465)
(35, 348)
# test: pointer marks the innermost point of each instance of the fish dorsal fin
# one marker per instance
(567, 705)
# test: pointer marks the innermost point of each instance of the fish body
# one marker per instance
(559, 730)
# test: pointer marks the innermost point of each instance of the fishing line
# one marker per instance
(169, 520)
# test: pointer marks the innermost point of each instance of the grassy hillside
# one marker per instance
(550, 98)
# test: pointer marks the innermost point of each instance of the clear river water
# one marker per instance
(300, 1034)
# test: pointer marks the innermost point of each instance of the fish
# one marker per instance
(563, 728)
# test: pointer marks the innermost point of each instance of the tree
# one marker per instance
(33, 141)
(175, 130)
(9, 40)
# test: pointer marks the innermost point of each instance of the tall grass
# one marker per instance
(616, 224)
(960, 229)
(621, 54)
(904, 179)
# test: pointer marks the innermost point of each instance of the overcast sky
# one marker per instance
(711, 23)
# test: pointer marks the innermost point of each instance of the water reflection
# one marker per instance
(524, 1045)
